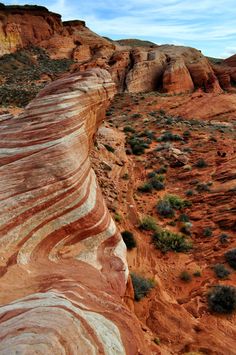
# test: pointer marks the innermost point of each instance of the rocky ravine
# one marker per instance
(63, 264)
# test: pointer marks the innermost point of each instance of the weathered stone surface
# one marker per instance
(62, 262)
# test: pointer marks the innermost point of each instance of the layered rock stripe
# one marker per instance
(62, 261)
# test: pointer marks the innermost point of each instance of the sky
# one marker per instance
(208, 25)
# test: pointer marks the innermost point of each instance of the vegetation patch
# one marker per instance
(222, 299)
(166, 240)
(141, 285)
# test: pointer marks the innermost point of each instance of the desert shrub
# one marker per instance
(141, 286)
(189, 193)
(137, 145)
(187, 134)
(169, 136)
(201, 163)
(146, 187)
(161, 170)
(207, 232)
(166, 241)
(164, 209)
(109, 148)
(220, 271)
(197, 273)
(202, 187)
(183, 218)
(230, 257)
(148, 223)
(117, 217)
(156, 183)
(129, 239)
(129, 129)
(222, 299)
(136, 115)
(185, 276)
(224, 238)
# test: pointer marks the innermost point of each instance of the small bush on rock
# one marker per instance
(222, 299)
(148, 223)
(141, 286)
(166, 241)
(230, 257)
(220, 271)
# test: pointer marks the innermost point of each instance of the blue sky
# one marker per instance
(209, 25)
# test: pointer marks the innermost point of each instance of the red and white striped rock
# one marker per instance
(63, 265)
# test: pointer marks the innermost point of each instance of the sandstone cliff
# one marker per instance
(63, 264)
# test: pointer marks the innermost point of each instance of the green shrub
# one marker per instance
(141, 286)
(146, 187)
(156, 183)
(129, 239)
(230, 257)
(184, 218)
(129, 129)
(189, 193)
(148, 223)
(117, 217)
(220, 271)
(185, 276)
(167, 241)
(169, 136)
(164, 209)
(207, 232)
(222, 299)
(161, 170)
(201, 163)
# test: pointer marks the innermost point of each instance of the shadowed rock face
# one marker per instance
(63, 265)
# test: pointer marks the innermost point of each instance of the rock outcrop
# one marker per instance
(167, 68)
(22, 26)
(62, 262)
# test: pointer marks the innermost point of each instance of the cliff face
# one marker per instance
(22, 26)
(63, 264)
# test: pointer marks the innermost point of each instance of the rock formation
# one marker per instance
(170, 69)
(63, 264)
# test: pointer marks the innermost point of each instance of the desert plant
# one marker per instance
(129, 129)
(117, 217)
(201, 163)
(185, 276)
(166, 241)
(161, 170)
(222, 299)
(207, 232)
(141, 286)
(148, 223)
(146, 187)
(164, 209)
(197, 273)
(129, 239)
(220, 271)
(230, 257)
